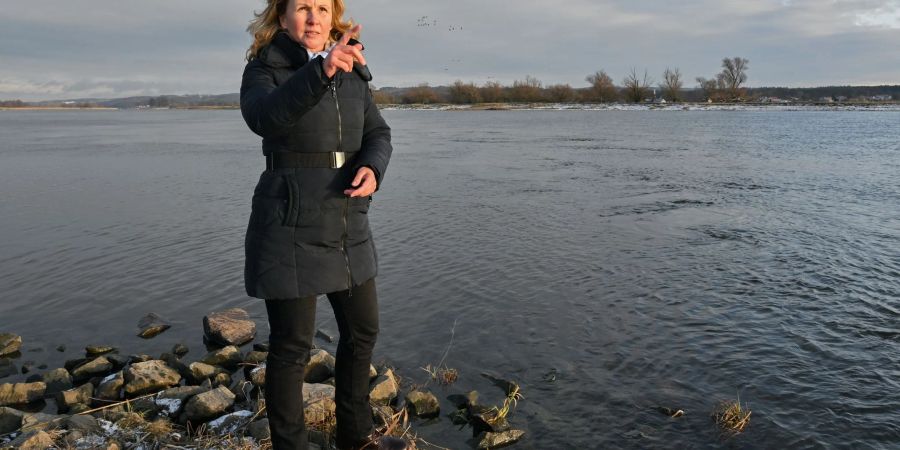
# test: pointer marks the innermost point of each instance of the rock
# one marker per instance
(485, 419)
(508, 386)
(172, 400)
(78, 408)
(240, 390)
(261, 346)
(258, 376)
(21, 393)
(35, 440)
(151, 326)
(318, 401)
(97, 350)
(139, 358)
(97, 367)
(384, 389)
(175, 363)
(229, 327)
(110, 388)
(320, 366)
(118, 361)
(86, 424)
(10, 419)
(256, 357)
(9, 343)
(40, 421)
(229, 423)
(201, 371)
(228, 357)
(324, 336)
(373, 373)
(81, 394)
(33, 378)
(71, 364)
(61, 348)
(222, 379)
(7, 367)
(27, 366)
(146, 377)
(382, 414)
(259, 430)
(208, 405)
(180, 350)
(57, 380)
(423, 404)
(495, 440)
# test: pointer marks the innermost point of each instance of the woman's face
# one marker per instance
(308, 22)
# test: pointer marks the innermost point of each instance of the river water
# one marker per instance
(609, 261)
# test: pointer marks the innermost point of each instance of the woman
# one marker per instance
(305, 92)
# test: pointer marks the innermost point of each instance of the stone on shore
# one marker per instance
(200, 371)
(229, 327)
(318, 403)
(57, 380)
(35, 440)
(423, 404)
(10, 419)
(21, 393)
(152, 325)
(180, 350)
(97, 367)
(110, 388)
(229, 423)
(384, 389)
(320, 366)
(97, 350)
(259, 429)
(80, 394)
(227, 357)
(208, 405)
(9, 343)
(172, 400)
(488, 440)
(84, 423)
(40, 421)
(150, 376)
(258, 376)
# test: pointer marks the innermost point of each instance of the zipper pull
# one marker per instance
(333, 90)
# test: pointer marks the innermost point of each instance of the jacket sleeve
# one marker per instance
(376, 148)
(270, 110)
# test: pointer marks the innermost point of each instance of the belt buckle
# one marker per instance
(338, 159)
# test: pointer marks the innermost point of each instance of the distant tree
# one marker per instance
(561, 93)
(527, 91)
(464, 93)
(710, 88)
(732, 76)
(602, 89)
(422, 93)
(492, 92)
(671, 85)
(12, 103)
(636, 89)
(383, 98)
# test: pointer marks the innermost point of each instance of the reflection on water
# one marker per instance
(644, 258)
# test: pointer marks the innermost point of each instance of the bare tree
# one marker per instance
(636, 89)
(561, 93)
(421, 94)
(464, 93)
(602, 89)
(733, 75)
(710, 88)
(528, 90)
(671, 85)
(492, 92)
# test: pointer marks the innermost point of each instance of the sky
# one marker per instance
(55, 49)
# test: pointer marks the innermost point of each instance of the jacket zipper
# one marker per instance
(347, 199)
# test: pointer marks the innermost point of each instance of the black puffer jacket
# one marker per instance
(305, 236)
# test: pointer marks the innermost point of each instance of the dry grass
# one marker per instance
(509, 402)
(731, 416)
(443, 375)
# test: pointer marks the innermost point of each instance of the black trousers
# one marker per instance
(292, 325)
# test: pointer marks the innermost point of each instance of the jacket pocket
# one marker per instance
(292, 212)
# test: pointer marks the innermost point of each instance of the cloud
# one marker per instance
(118, 47)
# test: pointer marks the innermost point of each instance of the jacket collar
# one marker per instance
(284, 52)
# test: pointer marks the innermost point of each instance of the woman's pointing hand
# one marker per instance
(342, 55)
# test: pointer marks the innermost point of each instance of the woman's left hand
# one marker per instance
(365, 183)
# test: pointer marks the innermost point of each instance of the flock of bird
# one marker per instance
(426, 21)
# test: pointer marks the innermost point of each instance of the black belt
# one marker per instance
(291, 160)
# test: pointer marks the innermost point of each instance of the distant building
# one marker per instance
(881, 98)
(841, 98)
(826, 100)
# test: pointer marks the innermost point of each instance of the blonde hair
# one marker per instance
(266, 24)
